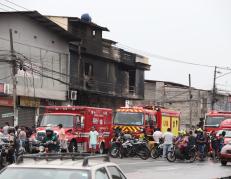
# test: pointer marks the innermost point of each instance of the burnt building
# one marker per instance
(101, 74)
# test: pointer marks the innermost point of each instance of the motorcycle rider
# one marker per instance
(50, 140)
(182, 143)
(157, 135)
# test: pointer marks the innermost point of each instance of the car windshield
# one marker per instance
(214, 120)
(129, 118)
(29, 173)
(227, 133)
(54, 120)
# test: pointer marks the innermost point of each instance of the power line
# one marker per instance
(3, 9)
(223, 75)
(8, 6)
(149, 54)
(17, 5)
(167, 58)
(28, 45)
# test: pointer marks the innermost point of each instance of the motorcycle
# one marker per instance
(116, 149)
(157, 151)
(133, 147)
(175, 153)
(4, 148)
(50, 145)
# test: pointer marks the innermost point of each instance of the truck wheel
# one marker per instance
(102, 148)
(72, 146)
(223, 162)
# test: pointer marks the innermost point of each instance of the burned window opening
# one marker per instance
(132, 81)
(88, 69)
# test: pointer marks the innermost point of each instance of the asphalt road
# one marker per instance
(136, 168)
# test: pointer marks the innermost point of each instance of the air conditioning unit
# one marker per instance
(73, 95)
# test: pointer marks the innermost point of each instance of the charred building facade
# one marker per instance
(101, 74)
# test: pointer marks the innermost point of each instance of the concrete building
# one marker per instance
(176, 96)
(41, 49)
(62, 61)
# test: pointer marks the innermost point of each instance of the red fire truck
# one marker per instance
(133, 119)
(213, 120)
(77, 122)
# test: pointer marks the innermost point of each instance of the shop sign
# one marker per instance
(6, 101)
(29, 102)
(7, 115)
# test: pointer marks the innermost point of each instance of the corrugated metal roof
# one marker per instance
(44, 21)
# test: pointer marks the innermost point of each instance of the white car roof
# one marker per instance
(93, 162)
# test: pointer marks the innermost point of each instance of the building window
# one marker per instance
(88, 69)
(93, 33)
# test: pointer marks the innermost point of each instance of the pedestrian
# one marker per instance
(201, 142)
(93, 140)
(22, 137)
(5, 129)
(62, 138)
(168, 140)
(157, 135)
(214, 144)
(221, 140)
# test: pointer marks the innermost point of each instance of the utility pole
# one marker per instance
(14, 72)
(214, 88)
(190, 100)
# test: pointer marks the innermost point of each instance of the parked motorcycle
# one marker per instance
(116, 148)
(157, 151)
(4, 147)
(7, 152)
(134, 147)
(175, 153)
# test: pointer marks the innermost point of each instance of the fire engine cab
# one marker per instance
(136, 119)
(77, 122)
(214, 119)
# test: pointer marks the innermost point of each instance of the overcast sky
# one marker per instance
(197, 31)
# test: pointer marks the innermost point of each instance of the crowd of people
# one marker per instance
(205, 143)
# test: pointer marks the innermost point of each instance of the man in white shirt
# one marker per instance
(93, 139)
(5, 129)
(157, 135)
(168, 140)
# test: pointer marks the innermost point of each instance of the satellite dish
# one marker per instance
(86, 17)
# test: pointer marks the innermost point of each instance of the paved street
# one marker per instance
(150, 169)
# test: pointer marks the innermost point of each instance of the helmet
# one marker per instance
(199, 130)
(49, 129)
(182, 132)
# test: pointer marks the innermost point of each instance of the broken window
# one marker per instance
(132, 81)
(88, 69)
(93, 33)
